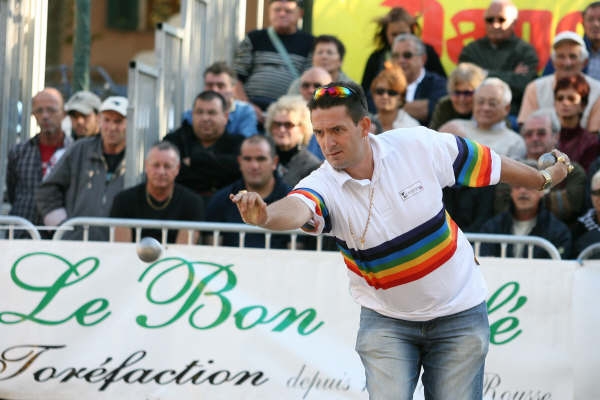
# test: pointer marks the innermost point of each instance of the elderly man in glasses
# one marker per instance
(410, 267)
(502, 53)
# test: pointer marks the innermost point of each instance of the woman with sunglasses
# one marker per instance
(462, 83)
(395, 22)
(288, 122)
(389, 91)
(570, 99)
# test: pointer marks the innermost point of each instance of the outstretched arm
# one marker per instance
(285, 214)
(516, 173)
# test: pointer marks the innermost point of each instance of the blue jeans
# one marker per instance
(450, 349)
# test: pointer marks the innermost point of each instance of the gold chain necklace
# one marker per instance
(160, 207)
(361, 241)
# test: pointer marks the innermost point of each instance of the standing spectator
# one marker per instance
(587, 229)
(569, 56)
(258, 164)
(288, 122)
(311, 79)
(390, 25)
(488, 126)
(158, 198)
(425, 88)
(501, 53)
(268, 60)
(570, 99)
(328, 53)
(462, 82)
(221, 78)
(89, 174)
(389, 93)
(527, 216)
(591, 38)
(82, 109)
(30, 161)
(208, 153)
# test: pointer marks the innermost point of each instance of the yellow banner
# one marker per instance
(447, 25)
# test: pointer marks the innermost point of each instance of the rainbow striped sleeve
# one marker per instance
(473, 164)
(320, 207)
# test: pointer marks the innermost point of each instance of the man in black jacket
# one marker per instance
(208, 153)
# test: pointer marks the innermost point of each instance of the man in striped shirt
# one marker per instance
(410, 267)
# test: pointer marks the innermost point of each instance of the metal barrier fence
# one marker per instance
(216, 229)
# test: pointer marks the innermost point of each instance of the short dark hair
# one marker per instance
(220, 67)
(591, 5)
(298, 2)
(210, 95)
(258, 138)
(356, 102)
(165, 146)
(577, 83)
(330, 39)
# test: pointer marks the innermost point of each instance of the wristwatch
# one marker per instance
(547, 179)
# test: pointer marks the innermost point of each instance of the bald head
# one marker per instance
(311, 79)
(48, 109)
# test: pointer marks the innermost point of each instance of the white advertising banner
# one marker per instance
(91, 321)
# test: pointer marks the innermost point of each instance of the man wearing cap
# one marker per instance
(266, 71)
(29, 161)
(569, 56)
(89, 174)
(501, 52)
(82, 108)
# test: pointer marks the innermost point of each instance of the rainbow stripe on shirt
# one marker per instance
(320, 207)
(473, 164)
(407, 257)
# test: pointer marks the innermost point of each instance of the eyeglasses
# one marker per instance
(333, 91)
(491, 20)
(570, 98)
(407, 55)
(286, 124)
(539, 133)
(309, 85)
(465, 93)
(382, 91)
(595, 192)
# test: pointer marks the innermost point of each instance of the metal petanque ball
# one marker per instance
(546, 160)
(149, 249)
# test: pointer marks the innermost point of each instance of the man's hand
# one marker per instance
(251, 206)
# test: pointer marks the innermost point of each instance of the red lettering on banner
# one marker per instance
(472, 18)
(569, 22)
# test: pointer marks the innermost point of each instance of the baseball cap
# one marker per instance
(568, 35)
(84, 102)
(115, 103)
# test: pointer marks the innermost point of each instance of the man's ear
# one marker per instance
(275, 162)
(365, 125)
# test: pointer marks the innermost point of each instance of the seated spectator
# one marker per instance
(570, 99)
(591, 38)
(258, 164)
(425, 88)
(568, 56)
(241, 119)
(328, 53)
(31, 160)
(89, 174)
(310, 80)
(565, 200)
(527, 216)
(488, 127)
(462, 82)
(266, 73)
(587, 229)
(501, 53)
(82, 109)
(208, 153)
(288, 122)
(158, 198)
(389, 93)
(390, 25)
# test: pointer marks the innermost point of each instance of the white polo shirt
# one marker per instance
(416, 264)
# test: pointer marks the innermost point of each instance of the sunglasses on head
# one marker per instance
(309, 85)
(382, 91)
(333, 91)
(491, 20)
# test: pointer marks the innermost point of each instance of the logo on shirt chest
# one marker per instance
(411, 190)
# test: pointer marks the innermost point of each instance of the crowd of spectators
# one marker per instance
(250, 129)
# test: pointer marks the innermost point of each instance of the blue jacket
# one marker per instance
(432, 88)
